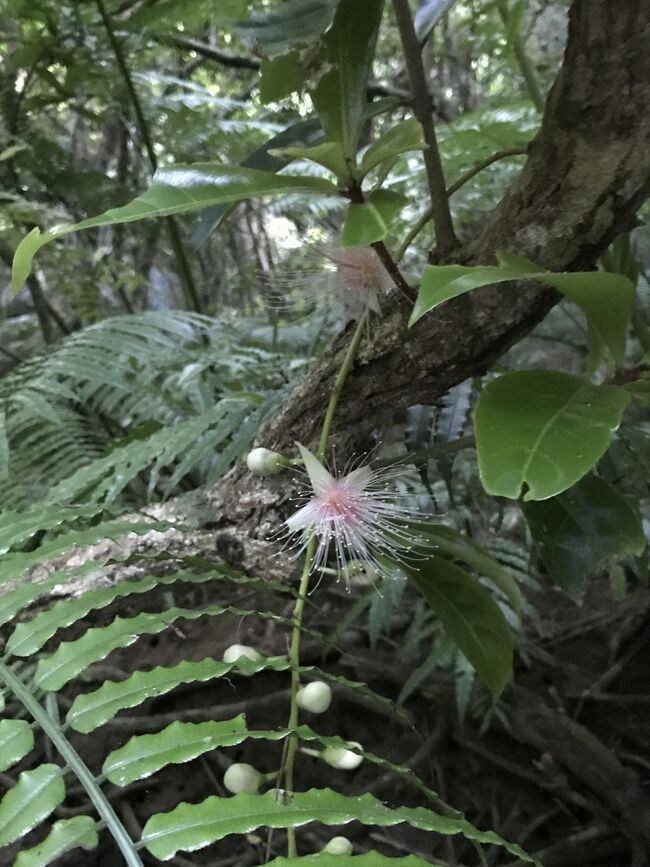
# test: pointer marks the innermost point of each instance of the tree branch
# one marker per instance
(445, 236)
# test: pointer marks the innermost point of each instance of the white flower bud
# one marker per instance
(316, 697)
(341, 758)
(236, 651)
(263, 462)
(338, 846)
(241, 777)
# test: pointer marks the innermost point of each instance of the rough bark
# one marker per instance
(588, 171)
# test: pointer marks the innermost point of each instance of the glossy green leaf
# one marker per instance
(192, 826)
(91, 710)
(67, 834)
(340, 95)
(281, 77)
(470, 616)
(296, 22)
(401, 138)
(176, 190)
(368, 859)
(539, 431)
(427, 15)
(370, 221)
(302, 134)
(36, 794)
(454, 544)
(16, 740)
(328, 154)
(580, 532)
(144, 755)
(606, 299)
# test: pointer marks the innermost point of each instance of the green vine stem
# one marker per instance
(519, 50)
(73, 761)
(294, 649)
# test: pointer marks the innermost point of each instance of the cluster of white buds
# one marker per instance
(264, 462)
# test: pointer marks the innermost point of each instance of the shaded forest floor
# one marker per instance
(564, 771)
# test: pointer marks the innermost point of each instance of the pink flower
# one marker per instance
(354, 514)
(352, 280)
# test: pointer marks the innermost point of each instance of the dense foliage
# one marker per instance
(204, 205)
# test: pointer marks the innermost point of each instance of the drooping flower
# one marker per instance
(356, 515)
(346, 281)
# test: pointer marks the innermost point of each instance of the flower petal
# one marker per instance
(319, 477)
(304, 518)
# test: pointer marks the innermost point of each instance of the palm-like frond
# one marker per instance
(128, 394)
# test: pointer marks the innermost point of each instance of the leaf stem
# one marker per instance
(74, 761)
(191, 293)
(445, 235)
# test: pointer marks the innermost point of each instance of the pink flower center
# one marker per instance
(339, 502)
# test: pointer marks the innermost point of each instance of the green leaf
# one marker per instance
(301, 134)
(470, 616)
(36, 794)
(401, 138)
(28, 637)
(281, 77)
(606, 299)
(296, 22)
(144, 755)
(368, 859)
(192, 826)
(580, 532)
(543, 430)
(328, 154)
(370, 221)
(452, 543)
(72, 657)
(340, 96)
(15, 565)
(16, 740)
(176, 190)
(93, 709)
(65, 835)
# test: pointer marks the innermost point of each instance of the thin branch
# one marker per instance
(457, 184)
(519, 50)
(191, 293)
(445, 235)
